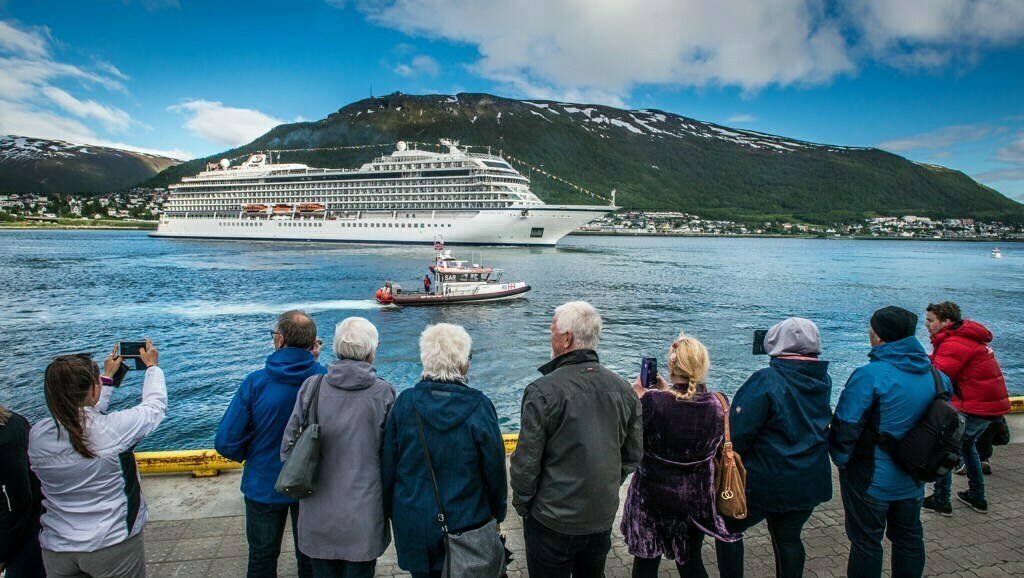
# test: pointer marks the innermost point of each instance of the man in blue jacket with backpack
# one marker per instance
(251, 431)
(886, 397)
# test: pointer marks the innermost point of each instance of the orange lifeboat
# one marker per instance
(254, 208)
(280, 209)
(311, 208)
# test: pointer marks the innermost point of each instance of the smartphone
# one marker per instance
(130, 349)
(759, 342)
(649, 372)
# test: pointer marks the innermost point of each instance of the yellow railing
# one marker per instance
(202, 463)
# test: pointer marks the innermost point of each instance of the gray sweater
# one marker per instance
(344, 518)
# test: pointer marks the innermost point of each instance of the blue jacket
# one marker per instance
(889, 394)
(466, 449)
(252, 428)
(779, 420)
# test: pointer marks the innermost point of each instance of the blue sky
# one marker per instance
(937, 81)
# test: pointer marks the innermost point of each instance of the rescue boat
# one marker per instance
(454, 281)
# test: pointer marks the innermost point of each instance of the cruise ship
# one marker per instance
(406, 197)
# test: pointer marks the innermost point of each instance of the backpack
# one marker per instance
(931, 448)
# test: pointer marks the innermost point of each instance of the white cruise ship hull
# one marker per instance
(536, 226)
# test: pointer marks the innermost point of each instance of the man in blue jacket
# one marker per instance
(251, 431)
(888, 395)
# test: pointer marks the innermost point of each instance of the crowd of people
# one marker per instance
(429, 463)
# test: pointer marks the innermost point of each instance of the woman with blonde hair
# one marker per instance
(670, 505)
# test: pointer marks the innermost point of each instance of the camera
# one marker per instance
(758, 348)
(649, 372)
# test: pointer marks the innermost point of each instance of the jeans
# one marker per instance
(264, 529)
(693, 568)
(867, 519)
(784, 528)
(343, 568)
(969, 454)
(552, 554)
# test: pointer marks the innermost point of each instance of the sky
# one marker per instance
(936, 81)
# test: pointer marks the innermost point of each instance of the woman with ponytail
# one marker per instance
(670, 505)
(84, 459)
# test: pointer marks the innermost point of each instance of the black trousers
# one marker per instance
(784, 528)
(551, 554)
(693, 568)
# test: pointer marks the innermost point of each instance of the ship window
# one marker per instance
(537, 232)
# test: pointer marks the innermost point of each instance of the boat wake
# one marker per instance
(210, 309)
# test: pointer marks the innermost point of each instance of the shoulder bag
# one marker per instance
(297, 479)
(730, 475)
(476, 553)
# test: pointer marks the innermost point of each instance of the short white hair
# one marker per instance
(581, 319)
(355, 338)
(444, 351)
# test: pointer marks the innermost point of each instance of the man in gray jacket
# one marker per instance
(580, 436)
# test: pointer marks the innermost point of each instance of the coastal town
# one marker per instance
(142, 206)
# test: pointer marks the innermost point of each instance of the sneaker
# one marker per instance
(941, 508)
(961, 470)
(980, 506)
(986, 468)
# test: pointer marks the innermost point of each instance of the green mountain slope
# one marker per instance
(655, 160)
(31, 165)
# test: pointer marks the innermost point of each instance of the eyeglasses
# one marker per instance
(274, 332)
(83, 355)
(471, 355)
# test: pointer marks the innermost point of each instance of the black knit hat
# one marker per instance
(893, 323)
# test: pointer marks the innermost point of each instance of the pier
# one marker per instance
(197, 528)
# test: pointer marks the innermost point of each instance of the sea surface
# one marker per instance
(209, 306)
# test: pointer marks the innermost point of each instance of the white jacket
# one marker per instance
(95, 503)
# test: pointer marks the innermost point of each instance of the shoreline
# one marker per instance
(778, 236)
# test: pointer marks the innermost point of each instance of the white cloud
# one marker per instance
(115, 119)
(937, 139)
(224, 125)
(1001, 175)
(1013, 152)
(420, 65)
(610, 47)
(742, 118)
(19, 119)
(33, 42)
(911, 33)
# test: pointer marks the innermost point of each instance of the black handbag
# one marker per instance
(298, 475)
(1000, 431)
(476, 553)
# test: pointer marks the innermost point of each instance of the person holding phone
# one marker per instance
(83, 456)
(670, 504)
(779, 419)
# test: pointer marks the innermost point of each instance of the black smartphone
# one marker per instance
(130, 349)
(118, 376)
(649, 372)
(759, 342)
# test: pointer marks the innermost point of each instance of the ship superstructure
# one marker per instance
(407, 196)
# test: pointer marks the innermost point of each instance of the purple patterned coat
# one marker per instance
(673, 489)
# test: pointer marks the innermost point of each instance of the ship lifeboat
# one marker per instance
(385, 294)
(281, 209)
(311, 208)
(255, 209)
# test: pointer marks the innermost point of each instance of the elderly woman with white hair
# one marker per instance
(460, 430)
(779, 421)
(342, 526)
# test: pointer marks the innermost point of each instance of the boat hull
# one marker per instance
(539, 226)
(418, 299)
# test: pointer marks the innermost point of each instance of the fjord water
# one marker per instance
(209, 306)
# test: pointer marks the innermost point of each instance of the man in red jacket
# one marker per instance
(961, 351)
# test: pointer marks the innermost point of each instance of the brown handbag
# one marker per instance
(730, 475)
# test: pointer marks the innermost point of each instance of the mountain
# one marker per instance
(655, 160)
(32, 165)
